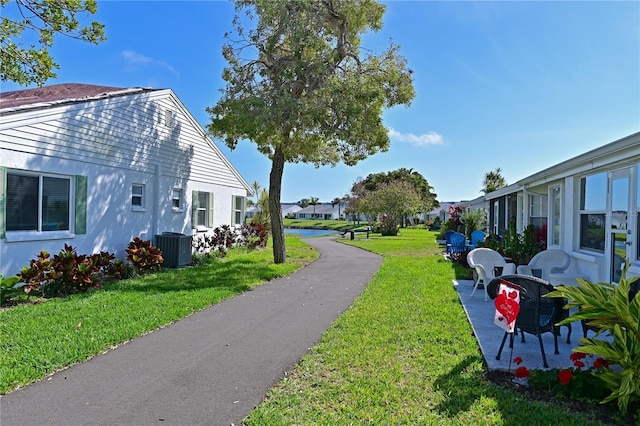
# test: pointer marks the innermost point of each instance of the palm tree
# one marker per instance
(314, 201)
(493, 181)
(337, 202)
(256, 190)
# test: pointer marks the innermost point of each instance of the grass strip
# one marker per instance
(403, 354)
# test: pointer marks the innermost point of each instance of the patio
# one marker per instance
(481, 314)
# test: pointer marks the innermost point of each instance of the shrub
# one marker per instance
(8, 289)
(615, 310)
(63, 274)
(473, 220)
(254, 235)
(143, 256)
(219, 241)
(580, 382)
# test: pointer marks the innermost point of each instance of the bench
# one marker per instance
(352, 233)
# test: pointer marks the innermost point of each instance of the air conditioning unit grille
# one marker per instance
(176, 249)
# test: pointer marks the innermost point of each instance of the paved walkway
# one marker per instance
(210, 368)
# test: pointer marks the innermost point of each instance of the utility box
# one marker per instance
(176, 249)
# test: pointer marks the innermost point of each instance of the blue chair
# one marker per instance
(477, 236)
(447, 239)
(458, 243)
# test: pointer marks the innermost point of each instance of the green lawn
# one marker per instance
(338, 225)
(403, 354)
(39, 339)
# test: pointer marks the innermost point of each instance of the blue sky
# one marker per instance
(515, 85)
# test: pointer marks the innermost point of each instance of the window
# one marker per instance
(38, 202)
(176, 199)
(555, 215)
(237, 217)
(593, 204)
(538, 211)
(137, 195)
(201, 209)
(168, 118)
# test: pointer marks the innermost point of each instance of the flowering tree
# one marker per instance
(391, 202)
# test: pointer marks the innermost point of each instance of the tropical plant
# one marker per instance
(493, 181)
(262, 215)
(143, 256)
(75, 273)
(33, 64)
(39, 274)
(303, 89)
(615, 310)
(473, 220)
(8, 289)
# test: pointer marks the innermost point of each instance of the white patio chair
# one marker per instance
(488, 265)
(546, 262)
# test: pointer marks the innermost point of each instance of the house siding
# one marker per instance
(115, 142)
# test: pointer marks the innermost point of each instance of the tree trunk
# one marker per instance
(277, 225)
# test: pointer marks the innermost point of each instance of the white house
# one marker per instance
(324, 211)
(589, 205)
(95, 166)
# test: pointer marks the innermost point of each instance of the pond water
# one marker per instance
(309, 232)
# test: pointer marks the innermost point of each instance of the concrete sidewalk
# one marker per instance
(210, 368)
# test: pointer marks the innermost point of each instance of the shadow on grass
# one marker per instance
(461, 388)
(237, 275)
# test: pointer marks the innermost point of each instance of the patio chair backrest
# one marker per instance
(546, 262)
(489, 263)
(458, 243)
(477, 236)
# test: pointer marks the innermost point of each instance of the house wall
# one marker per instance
(116, 142)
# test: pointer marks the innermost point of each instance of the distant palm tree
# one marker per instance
(337, 202)
(314, 201)
(256, 190)
(493, 181)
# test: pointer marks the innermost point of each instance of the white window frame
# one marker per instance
(235, 211)
(39, 233)
(177, 200)
(584, 211)
(555, 223)
(135, 196)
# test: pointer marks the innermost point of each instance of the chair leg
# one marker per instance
(504, 339)
(544, 357)
(475, 287)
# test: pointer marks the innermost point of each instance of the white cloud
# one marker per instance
(430, 138)
(135, 61)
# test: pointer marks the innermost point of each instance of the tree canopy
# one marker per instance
(32, 63)
(493, 181)
(427, 198)
(390, 202)
(299, 86)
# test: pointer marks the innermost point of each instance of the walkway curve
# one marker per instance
(212, 367)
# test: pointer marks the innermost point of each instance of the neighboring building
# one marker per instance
(324, 211)
(589, 204)
(287, 208)
(95, 166)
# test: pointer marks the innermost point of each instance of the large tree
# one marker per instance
(299, 85)
(44, 18)
(389, 203)
(425, 191)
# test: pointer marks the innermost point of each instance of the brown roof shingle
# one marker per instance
(53, 93)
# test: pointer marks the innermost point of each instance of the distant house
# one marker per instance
(287, 208)
(324, 211)
(95, 166)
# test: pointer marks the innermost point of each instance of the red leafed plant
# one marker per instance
(143, 256)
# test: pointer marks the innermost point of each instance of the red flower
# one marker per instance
(577, 355)
(565, 376)
(600, 363)
(517, 360)
(578, 363)
(522, 372)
